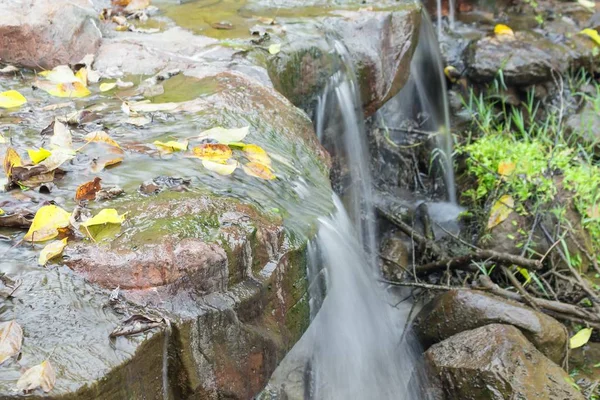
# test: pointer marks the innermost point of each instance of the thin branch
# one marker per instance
(463, 262)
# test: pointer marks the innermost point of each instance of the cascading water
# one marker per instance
(440, 14)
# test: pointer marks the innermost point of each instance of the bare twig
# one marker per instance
(515, 282)
(427, 286)
(463, 262)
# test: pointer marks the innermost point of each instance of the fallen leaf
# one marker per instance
(503, 30)
(11, 160)
(592, 34)
(587, 4)
(136, 324)
(225, 136)
(99, 165)
(213, 152)
(221, 168)
(580, 338)
(42, 375)
(105, 216)
(105, 224)
(46, 223)
(52, 250)
(11, 337)
(171, 146)
(101, 137)
(275, 48)
(39, 155)
(74, 89)
(11, 99)
(258, 170)
(8, 69)
(60, 74)
(56, 159)
(88, 190)
(500, 211)
(256, 154)
(109, 193)
(138, 120)
(62, 137)
(105, 87)
(451, 73)
(37, 180)
(82, 76)
(506, 168)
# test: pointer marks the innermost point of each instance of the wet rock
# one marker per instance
(47, 33)
(497, 362)
(585, 126)
(380, 45)
(458, 311)
(395, 255)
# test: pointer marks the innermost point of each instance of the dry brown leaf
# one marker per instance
(88, 190)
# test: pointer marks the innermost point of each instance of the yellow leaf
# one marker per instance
(52, 250)
(82, 76)
(2, 139)
(225, 136)
(105, 216)
(275, 48)
(256, 154)
(42, 375)
(503, 30)
(11, 99)
(221, 168)
(580, 338)
(2, 212)
(213, 152)
(101, 137)
(46, 223)
(258, 170)
(37, 156)
(71, 89)
(451, 73)
(500, 211)
(506, 168)
(592, 34)
(105, 87)
(11, 337)
(171, 146)
(11, 160)
(59, 74)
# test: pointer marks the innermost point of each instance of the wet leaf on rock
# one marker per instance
(11, 99)
(11, 160)
(39, 155)
(41, 376)
(88, 190)
(275, 48)
(71, 90)
(221, 168)
(258, 170)
(171, 146)
(61, 137)
(225, 136)
(256, 154)
(592, 34)
(105, 224)
(213, 152)
(500, 211)
(11, 337)
(580, 338)
(136, 324)
(105, 87)
(46, 223)
(101, 137)
(503, 30)
(52, 250)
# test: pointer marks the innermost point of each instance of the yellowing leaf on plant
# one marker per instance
(256, 154)
(580, 338)
(221, 168)
(213, 152)
(506, 168)
(171, 146)
(225, 136)
(592, 34)
(275, 48)
(11, 99)
(101, 137)
(46, 223)
(500, 211)
(52, 250)
(503, 30)
(11, 160)
(11, 337)
(39, 155)
(105, 87)
(40, 376)
(258, 170)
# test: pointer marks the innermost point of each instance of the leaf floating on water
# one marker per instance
(105, 216)
(40, 376)
(213, 152)
(88, 190)
(256, 154)
(136, 324)
(275, 48)
(52, 250)
(258, 170)
(39, 155)
(11, 99)
(171, 146)
(221, 168)
(37, 180)
(46, 223)
(580, 338)
(11, 160)
(101, 137)
(60, 74)
(73, 90)
(506, 168)
(82, 76)
(500, 211)
(11, 337)
(225, 136)
(105, 87)
(503, 30)
(592, 34)
(61, 137)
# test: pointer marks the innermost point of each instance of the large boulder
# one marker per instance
(47, 33)
(461, 310)
(496, 362)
